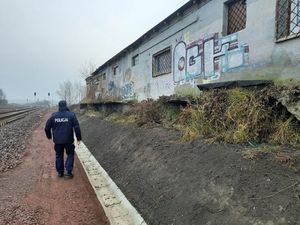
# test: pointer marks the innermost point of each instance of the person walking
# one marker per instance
(61, 125)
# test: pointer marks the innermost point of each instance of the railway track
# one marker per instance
(9, 116)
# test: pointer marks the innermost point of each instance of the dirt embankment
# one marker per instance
(193, 183)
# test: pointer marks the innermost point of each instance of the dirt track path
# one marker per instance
(33, 194)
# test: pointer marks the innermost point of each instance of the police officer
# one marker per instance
(63, 124)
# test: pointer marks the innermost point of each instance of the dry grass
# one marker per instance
(96, 114)
(234, 116)
(120, 118)
(286, 132)
(240, 115)
(276, 153)
(259, 152)
(114, 117)
(285, 159)
(148, 111)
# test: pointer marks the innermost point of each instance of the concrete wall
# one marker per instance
(199, 43)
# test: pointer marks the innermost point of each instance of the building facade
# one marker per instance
(202, 42)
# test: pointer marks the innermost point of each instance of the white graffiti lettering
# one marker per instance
(208, 57)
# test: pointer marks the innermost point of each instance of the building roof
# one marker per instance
(153, 31)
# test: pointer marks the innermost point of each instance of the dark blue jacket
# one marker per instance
(63, 124)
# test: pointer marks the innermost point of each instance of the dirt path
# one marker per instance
(33, 194)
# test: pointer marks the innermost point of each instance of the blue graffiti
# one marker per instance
(128, 90)
(111, 86)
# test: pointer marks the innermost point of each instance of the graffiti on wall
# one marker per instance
(111, 86)
(112, 89)
(208, 57)
(128, 90)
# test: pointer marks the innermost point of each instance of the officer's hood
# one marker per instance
(62, 106)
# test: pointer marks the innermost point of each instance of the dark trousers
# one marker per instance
(59, 162)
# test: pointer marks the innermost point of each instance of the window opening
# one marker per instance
(237, 16)
(162, 62)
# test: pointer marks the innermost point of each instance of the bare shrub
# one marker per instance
(148, 111)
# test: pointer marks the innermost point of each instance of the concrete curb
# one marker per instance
(118, 209)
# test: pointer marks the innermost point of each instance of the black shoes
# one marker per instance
(61, 174)
(69, 175)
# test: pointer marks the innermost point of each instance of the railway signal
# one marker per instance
(34, 94)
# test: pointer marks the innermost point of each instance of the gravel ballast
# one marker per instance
(13, 139)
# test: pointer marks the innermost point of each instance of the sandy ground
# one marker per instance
(171, 182)
(33, 194)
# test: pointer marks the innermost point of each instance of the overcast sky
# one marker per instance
(46, 42)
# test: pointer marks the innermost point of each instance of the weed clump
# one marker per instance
(240, 115)
(148, 111)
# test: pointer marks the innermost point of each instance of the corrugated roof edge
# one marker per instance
(186, 6)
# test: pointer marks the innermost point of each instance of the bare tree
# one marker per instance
(65, 91)
(61, 91)
(2, 94)
(71, 92)
(79, 91)
(3, 100)
(87, 69)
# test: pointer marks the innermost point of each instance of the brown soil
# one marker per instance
(33, 194)
(193, 183)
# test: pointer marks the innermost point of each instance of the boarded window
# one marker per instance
(135, 60)
(237, 16)
(287, 19)
(162, 62)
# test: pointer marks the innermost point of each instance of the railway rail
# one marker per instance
(9, 116)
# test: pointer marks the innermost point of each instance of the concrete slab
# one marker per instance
(118, 209)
